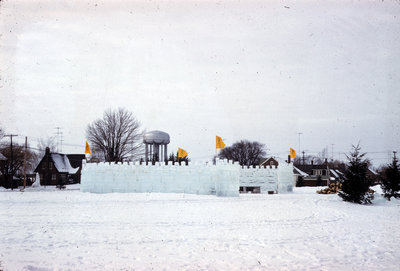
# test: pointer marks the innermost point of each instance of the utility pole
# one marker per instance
(26, 146)
(299, 140)
(58, 133)
(394, 154)
(332, 152)
(11, 161)
(303, 157)
(61, 141)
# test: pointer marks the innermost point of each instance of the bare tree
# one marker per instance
(41, 148)
(44, 143)
(13, 167)
(115, 137)
(245, 152)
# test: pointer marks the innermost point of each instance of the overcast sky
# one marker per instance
(257, 70)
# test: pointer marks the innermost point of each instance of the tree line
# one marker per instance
(117, 137)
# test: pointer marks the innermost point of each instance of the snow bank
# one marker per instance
(222, 179)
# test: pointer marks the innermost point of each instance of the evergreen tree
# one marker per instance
(391, 180)
(174, 158)
(356, 183)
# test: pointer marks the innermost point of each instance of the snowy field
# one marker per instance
(47, 229)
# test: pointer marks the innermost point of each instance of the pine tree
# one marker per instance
(391, 180)
(356, 182)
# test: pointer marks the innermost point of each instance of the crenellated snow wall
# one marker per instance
(222, 179)
(277, 180)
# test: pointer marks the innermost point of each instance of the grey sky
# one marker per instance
(258, 70)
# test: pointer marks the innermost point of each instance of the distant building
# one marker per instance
(313, 175)
(269, 162)
(57, 168)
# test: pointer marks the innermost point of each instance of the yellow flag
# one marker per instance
(219, 144)
(87, 149)
(292, 153)
(182, 153)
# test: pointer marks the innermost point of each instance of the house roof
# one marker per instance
(299, 172)
(2, 157)
(308, 168)
(334, 173)
(76, 159)
(61, 162)
(263, 161)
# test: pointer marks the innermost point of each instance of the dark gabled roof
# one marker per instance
(308, 168)
(76, 159)
(61, 162)
(265, 160)
(297, 171)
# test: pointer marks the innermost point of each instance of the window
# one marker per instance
(53, 177)
(50, 165)
(324, 172)
(44, 166)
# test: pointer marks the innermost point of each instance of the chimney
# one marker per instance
(312, 162)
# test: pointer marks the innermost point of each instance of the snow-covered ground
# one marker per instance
(48, 229)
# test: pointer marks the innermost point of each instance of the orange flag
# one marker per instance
(182, 153)
(219, 143)
(292, 153)
(87, 149)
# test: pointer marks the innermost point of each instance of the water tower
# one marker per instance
(156, 145)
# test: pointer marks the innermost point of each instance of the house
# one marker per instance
(57, 168)
(271, 162)
(313, 175)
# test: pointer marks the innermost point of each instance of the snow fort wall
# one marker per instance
(221, 179)
(277, 180)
